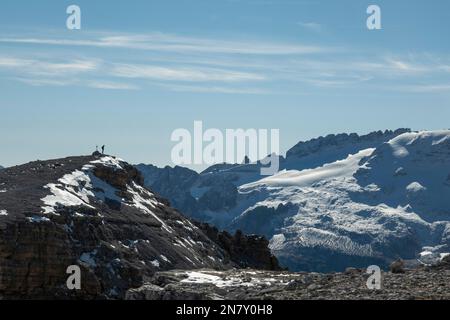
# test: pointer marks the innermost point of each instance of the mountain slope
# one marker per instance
(94, 212)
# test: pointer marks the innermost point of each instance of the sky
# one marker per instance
(138, 70)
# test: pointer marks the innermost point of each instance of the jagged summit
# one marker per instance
(335, 140)
(319, 151)
(93, 211)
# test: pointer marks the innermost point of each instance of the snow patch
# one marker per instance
(277, 241)
(38, 219)
(145, 204)
(415, 187)
(155, 263)
(164, 258)
(425, 253)
(73, 190)
(195, 277)
(338, 169)
(444, 255)
(111, 162)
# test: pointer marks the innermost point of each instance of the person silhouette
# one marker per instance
(103, 149)
(96, 148)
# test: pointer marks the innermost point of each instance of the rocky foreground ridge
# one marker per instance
(422, 283)
(94, 212)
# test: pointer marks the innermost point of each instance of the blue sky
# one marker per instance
(137, 70)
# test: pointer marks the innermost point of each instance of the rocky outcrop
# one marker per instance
(92, 212)
(397, 266)
(121, 178)
(248, 251)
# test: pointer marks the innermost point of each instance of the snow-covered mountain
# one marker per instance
(372, 207)
(341, 200)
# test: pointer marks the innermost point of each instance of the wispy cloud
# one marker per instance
(426, 88)
(194, 64)
(42, 82)
(8, 62)
(312, 26)
(215, 89)
(95, 84)
(405, 66)
(174, 43)
(107, 85)
(48, 68)
(182, 74)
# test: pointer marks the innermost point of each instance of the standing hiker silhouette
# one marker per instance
(103, 149)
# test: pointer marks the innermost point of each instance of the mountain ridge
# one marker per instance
(94, 212)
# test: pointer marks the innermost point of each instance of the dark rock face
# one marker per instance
(248, 251)
(219, 197)
(173, 184)
(190, 192)
(119, 179)
(424, 283)
(263, 220)
(92, 212)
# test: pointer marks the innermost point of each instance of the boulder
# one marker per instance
(397, 266)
